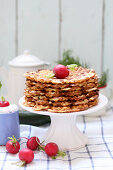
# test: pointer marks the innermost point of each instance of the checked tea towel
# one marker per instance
(96, 155)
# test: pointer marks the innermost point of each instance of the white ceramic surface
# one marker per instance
(63, 129)
(101, 111)
(14, 79)
(102, 103)
(26, 60)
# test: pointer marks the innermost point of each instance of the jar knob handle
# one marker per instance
(26, 52)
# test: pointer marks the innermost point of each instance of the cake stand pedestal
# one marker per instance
(63, 129)
(64, 132)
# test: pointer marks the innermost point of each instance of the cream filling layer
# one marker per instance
(9, 109)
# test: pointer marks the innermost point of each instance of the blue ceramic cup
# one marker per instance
(9, 126)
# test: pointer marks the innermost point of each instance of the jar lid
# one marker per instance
(26, 60)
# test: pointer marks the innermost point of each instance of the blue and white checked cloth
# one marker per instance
(97, 155)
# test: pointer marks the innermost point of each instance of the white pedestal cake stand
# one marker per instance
(63, 129)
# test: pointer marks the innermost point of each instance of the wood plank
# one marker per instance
(108, 39)
(81, 30)
(38, 28)
(7, 31)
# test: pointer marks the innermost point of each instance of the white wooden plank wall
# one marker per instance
(108, 38)
(81, 30)
(7, 31)
(38, 28)
(47, 27)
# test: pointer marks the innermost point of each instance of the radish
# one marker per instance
(3, 102)
(60, 71)
(26, 155)
(33, 143)
(51, 149)
(12, 146)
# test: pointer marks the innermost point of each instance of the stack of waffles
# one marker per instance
(77, 92)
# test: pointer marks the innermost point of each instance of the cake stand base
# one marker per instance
(64, 132)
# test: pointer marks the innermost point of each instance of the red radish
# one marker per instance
(4, 103)
(33, 143)
(51, 149)
(60, 71)
(12, 146)
(26, 155)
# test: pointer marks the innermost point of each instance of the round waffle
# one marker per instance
(68, 109)
(78, 76)
(77, 92)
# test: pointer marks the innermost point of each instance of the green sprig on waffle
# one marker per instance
(50, 75)
(72, 66)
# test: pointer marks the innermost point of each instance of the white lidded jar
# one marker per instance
(17, 67)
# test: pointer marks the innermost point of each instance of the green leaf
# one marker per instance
(50, 75)
(21, 163)
(3, 99)
(13, 139)
(41, 148)
(59, 154)
(0, 84)
(72, 66)
(62, 154)
(69, 59)
(103, 79)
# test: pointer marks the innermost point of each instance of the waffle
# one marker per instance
(79, 75)
(77, 92)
